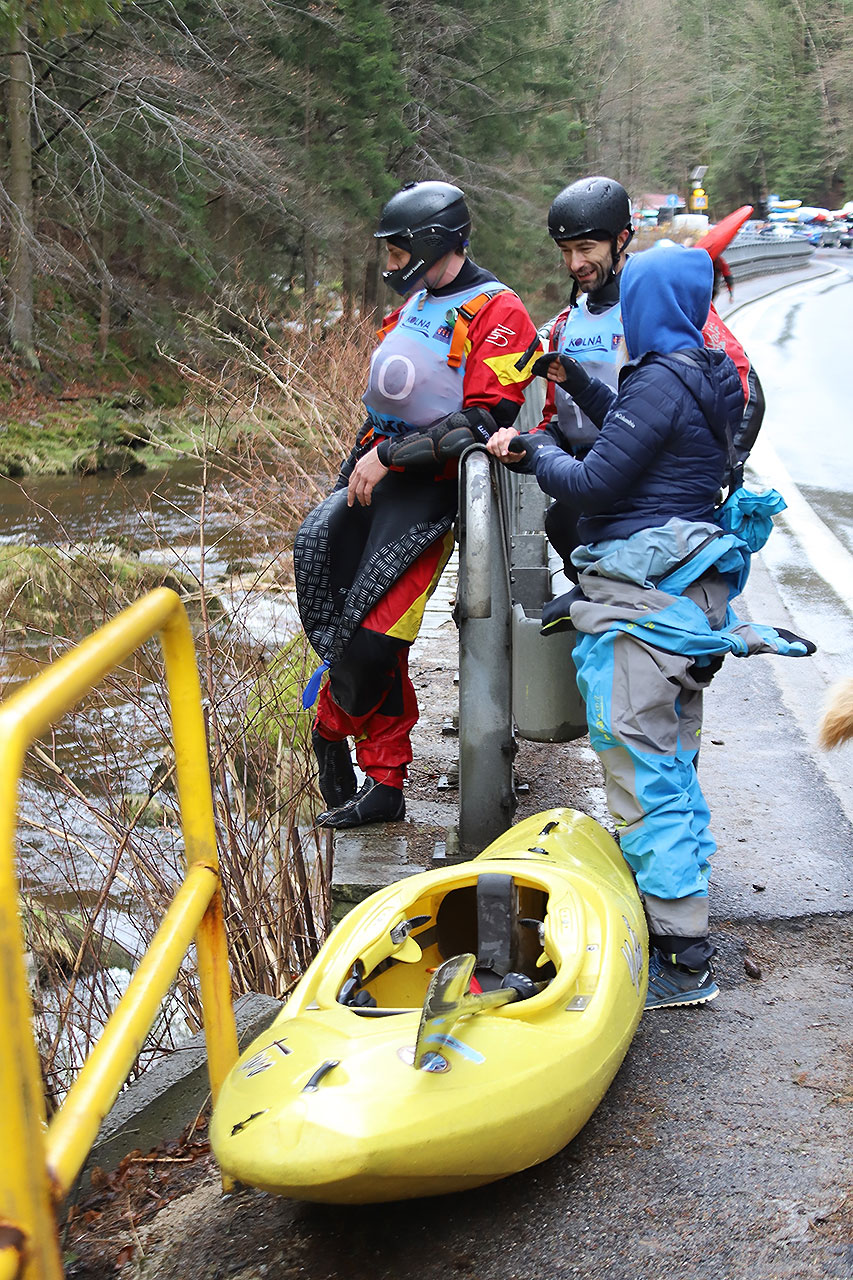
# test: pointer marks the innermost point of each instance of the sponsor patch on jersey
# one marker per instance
(591, 343)
(444, 333)
(615, 339)
(500, 335)
(421, 323)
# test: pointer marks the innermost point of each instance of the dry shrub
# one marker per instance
(101, 819)
(286, 406)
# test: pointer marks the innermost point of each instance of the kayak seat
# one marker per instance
(483, 919)
(497, 927)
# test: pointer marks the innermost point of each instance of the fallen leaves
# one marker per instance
(101, 1229)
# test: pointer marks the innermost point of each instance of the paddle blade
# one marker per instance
(448, 999)
(443, 1003)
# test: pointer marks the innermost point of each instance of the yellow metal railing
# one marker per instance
(39, 1162)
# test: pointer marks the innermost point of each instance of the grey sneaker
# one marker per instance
(671, 985)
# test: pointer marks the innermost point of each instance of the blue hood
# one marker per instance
(666, 296)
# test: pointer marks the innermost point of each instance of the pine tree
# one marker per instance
(23, 25)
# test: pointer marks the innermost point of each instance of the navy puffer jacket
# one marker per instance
(662, 451)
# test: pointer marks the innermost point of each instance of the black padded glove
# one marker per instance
(557, 613)
(459, 430)
(577, 378)
(810, 645)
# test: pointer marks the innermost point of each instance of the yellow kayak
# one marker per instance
(456, 1027)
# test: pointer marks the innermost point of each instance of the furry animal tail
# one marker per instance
(836, 725)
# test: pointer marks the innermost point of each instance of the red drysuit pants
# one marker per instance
(369, 695)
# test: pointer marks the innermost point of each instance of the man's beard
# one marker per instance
(592, 283)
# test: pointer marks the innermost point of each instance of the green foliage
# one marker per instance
(41, 585)
(188, 156)
(274, 706)
(88, 437)
(55, 18)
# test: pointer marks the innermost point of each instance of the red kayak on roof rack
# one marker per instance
(719, 236)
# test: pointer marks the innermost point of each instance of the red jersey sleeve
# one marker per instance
(555, 335)
(501, 336)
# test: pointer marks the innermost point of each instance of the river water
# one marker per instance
(116, 745)
(158, 516)
(146, 512)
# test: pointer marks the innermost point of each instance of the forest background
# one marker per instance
(171, 165)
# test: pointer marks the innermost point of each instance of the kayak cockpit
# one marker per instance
(497, 917)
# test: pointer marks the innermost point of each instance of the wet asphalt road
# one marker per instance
(800, 338)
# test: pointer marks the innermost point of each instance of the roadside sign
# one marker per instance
(673, 201)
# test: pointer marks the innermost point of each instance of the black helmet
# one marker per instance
(595, 207)
(429, 220)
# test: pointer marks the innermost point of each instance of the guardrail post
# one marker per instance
(487, 800)
(26, 1196)
(39, 1167)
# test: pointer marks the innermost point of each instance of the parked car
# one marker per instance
(824, 235)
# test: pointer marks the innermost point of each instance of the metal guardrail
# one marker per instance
(487, 799)
(41, 1160)
(513, 683)
(751, 254)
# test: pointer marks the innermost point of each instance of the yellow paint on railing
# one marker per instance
(10, 1262)
(39, 1167)
(75, 1127)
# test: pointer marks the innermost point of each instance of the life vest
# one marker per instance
(417, 371)
(594, 340)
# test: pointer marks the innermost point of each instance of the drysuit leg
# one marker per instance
(369, 695)
(383, 706)
(561, 529)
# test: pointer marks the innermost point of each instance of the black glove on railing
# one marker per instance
(527, 447)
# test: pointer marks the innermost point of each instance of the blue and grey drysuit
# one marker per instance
(657, 573)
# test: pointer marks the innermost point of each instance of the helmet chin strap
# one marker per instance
(443, 263)
(405, 281)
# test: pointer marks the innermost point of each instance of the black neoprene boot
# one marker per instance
(336, 776)
(375, 802)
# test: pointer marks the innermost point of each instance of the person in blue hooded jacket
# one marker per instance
(657, 574)
(662, 451)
